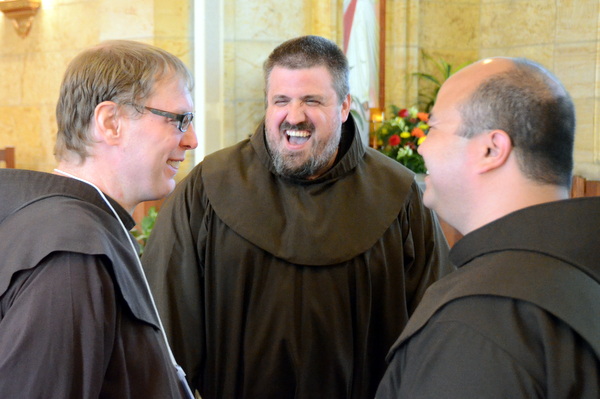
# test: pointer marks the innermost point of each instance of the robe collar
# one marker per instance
(42, 213)
(541, 228)
(319, 222)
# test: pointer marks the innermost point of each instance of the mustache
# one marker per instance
(300, 126)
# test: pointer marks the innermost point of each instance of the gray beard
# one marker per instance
(284, 165)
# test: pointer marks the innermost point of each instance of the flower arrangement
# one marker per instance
(400, 137)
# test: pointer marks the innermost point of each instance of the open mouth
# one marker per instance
(174, 164)
(297, 137)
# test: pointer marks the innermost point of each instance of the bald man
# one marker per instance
(519, 318)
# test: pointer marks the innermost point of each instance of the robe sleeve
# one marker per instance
(174, 264)
(425, 249)
(57, 329)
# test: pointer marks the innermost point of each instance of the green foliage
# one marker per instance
(146, 227)
(443, 70)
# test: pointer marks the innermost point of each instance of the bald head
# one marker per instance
(526, 101)
(463, 83)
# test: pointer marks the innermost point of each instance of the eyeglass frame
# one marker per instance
(180, 118)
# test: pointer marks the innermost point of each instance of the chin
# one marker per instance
(162, 191)
(427, 200)
(169, 189)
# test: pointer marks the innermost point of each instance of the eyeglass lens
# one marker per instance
(184, 123)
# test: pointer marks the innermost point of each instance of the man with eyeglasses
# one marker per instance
(183, 120)
(77, 319)
(286, 266)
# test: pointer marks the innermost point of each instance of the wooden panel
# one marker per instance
(592, 188)
(582, 187)
(577, 187)
(8, 156)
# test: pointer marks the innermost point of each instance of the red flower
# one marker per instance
(403, 113)
(394, 140)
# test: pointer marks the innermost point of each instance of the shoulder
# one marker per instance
(223, 160)
(57, 224)
(452, 358)
(57, 220)
(509, 346)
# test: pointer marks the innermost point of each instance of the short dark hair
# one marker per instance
(307, 52)
(534, 108)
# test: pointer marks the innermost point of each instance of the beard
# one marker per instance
(298, 164)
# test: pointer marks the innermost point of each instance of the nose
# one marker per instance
(189, 141)
(295, 114)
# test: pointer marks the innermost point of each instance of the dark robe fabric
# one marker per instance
(272, 287)
(518, 319)
(76, 318)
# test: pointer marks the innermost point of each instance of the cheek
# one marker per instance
(325, 122)
(274, 116)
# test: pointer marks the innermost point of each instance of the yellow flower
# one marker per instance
(405, 135)
(421, 140)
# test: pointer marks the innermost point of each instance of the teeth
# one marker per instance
(174, 164)
(297, 133)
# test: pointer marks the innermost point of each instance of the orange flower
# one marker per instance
(417, 132)
(424, 116)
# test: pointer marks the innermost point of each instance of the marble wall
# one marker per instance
(564, 35)
(252, 30)
(32, 67)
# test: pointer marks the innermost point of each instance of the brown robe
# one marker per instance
(76, 319)
(273, 287)
(518, 319)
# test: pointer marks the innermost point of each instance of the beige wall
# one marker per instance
(252, 30)
(32, 67)
(564, 35)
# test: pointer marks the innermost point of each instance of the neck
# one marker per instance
(491, 207)
(80, 172)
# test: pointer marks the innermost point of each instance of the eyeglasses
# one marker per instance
(183, 120)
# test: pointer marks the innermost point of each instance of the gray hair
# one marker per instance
(534, 108)
(122, 71)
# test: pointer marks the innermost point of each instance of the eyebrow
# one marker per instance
(303, 98)
(313, 97)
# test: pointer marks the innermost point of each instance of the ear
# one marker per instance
(495, 150)
(346, 107)
(106, 122)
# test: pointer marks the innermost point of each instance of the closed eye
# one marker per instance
(280, 100)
